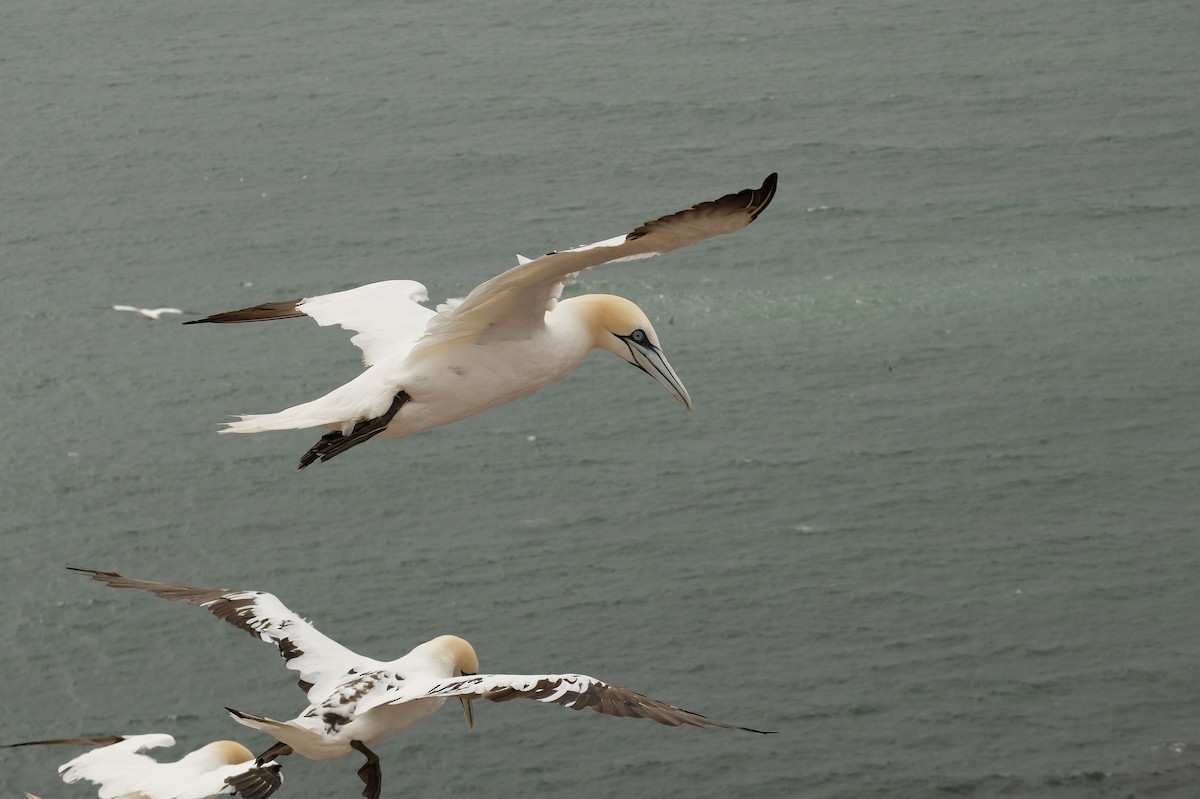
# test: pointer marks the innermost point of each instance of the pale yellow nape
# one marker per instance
(230, 752)
(465, 659)
(607, 315)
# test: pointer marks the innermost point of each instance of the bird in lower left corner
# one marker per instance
(117, 765)
(356, 701)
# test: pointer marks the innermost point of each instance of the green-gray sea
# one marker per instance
(933, 518)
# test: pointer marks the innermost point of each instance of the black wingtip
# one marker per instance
(761, 197)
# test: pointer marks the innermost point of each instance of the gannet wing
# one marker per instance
(252, 781)
(93, 740)
(387, 316)
(576, 691)
(119, 767)
(515, 302)
(121, 771)
(321, 661)
(357, 694)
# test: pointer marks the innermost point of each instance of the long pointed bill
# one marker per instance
(469, 710)
(650, 360)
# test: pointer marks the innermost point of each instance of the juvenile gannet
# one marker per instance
(508, 338)
(356, 700)
(148, 313)
(221, 768)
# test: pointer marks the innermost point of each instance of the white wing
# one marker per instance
(321, 661)
(387, 316)
(118, 768)
(576, 691)
(515, 302)
(185, 780)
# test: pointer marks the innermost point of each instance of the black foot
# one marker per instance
(369, 772)
(277, 750)
(335, 443)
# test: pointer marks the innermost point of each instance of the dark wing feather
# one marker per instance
(256, 783)
(319, 659)
(516, 301)
(576, 691)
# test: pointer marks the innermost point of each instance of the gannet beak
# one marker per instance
(469, 710)
(650, 360)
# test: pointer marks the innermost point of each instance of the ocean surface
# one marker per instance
(933, 518)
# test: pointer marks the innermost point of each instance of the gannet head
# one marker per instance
(623, 329)
(223, 753)
(463, 663)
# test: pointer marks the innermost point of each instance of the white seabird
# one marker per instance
(508, 338)
(356, 700)
(148, 313)
(221, 768)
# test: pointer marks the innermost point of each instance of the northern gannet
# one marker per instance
(147, 313)
(508, 338)
(117, 765)
(356, 701)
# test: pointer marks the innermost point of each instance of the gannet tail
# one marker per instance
(340, 409)
(286, 732)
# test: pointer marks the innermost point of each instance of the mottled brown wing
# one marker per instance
(320, 660)
(576, 691)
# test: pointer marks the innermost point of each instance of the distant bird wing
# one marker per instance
(387, 316)
(321, 661)
(576, 691)
(514, 303)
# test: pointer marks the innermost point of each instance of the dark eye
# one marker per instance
(639, 336)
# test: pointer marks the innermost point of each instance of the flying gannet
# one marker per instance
(147, 313)
(508, 338)
(356, 701)
(221, 768)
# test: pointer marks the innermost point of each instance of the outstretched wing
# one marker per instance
(387, 316)
(515, 302)
(320, 660)
(117, 767)
(576, 691)
(93, 740)
(121, 771)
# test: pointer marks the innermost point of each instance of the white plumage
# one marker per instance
(147, 313)
(356, 701)
(508, 338)
(117, 765)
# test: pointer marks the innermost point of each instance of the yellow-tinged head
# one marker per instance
(463, 662)
(622, 328)
(229, 753)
